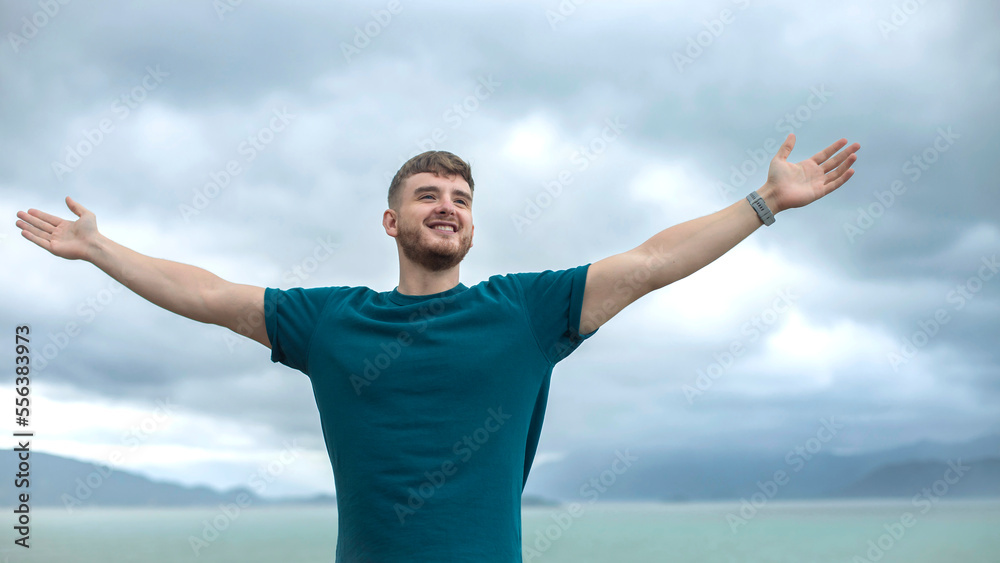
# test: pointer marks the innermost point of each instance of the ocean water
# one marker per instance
(787, 532)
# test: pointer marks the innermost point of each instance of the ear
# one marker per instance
(389, 222)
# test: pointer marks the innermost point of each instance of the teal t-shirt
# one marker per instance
(431, 405)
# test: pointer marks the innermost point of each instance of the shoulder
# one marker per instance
(550, 277)
(538, 284)
(315, 297)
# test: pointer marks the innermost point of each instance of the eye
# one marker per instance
(422, 197)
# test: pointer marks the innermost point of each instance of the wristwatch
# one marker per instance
(760, 207)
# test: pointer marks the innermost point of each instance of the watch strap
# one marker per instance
(760, 207)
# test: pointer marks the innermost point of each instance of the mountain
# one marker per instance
(958, 479)
(534, 500)
(983, 447)
(635, 474)
(65, 482)
(697, 475)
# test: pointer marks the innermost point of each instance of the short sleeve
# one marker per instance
(290, 317)
(553, 301)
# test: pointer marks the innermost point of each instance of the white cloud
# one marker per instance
(530, 141)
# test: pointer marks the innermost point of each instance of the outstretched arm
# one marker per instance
(179, 288)
(675, 253)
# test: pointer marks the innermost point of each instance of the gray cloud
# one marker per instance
(324, 178)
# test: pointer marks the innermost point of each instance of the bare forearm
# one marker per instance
(690, 246)
(178, 288)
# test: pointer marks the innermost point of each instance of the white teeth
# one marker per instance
(445, 228)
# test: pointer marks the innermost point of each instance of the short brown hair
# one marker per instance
(439, 163)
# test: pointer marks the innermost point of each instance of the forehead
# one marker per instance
(425, 180)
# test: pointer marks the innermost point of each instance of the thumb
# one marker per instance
(75, 207)
(786, 147)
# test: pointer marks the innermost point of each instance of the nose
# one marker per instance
(445, 207)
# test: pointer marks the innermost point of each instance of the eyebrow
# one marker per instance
(423, 189)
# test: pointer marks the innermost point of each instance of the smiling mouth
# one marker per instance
(443, 231)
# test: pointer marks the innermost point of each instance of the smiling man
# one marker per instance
(431, 218)
(432, 395)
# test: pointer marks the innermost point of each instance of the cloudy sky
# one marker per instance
(590, 128)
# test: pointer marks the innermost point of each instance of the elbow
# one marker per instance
(661, 263)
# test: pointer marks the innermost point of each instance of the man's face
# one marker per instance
(428, 201)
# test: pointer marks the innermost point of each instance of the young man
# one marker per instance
(432, 395)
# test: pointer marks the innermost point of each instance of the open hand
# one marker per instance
(799, 184)
(67, 239)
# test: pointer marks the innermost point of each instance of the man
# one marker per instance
(432, 395)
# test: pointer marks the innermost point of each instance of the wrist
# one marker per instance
(769, 195)
(98, 247)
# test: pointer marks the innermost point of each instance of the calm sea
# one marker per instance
(787, 532)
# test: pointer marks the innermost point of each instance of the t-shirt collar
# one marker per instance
(402, 299)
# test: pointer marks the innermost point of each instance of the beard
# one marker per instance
(440, 253)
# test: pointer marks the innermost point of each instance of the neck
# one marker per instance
(414, 280)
